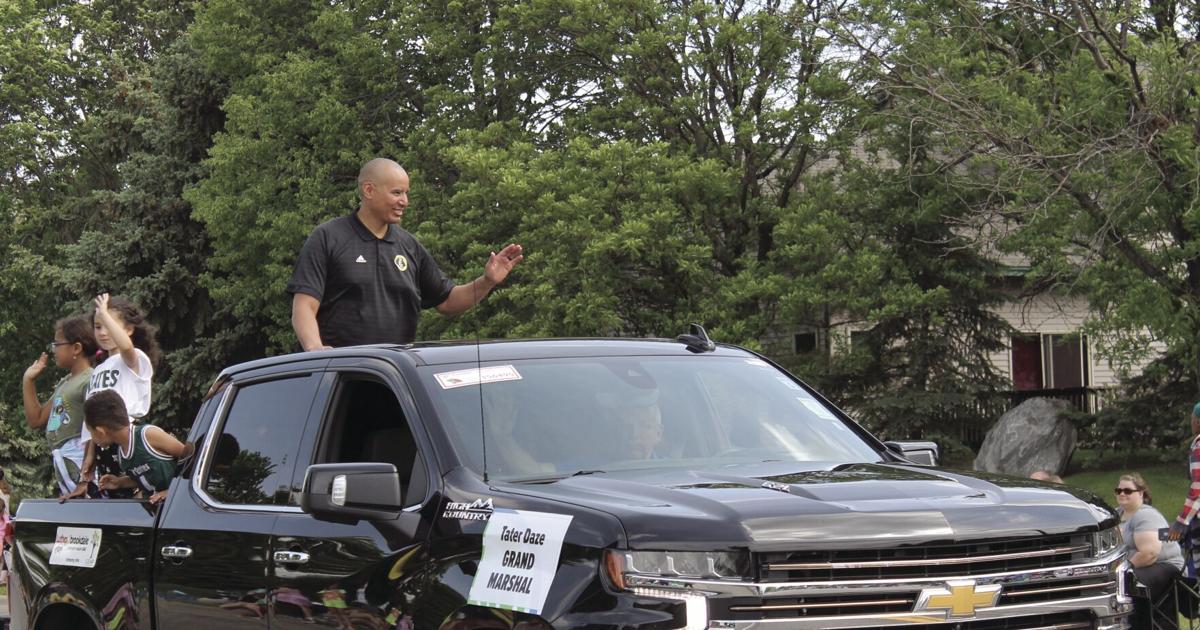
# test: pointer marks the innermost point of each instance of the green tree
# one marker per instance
(72, 112)
(144, 244)
(310, 104)
(760, 88)
(878, 246)
(612, 230)
(662, 163)
(649, 156)
(1072, 126)
(302, 116)
(25, 458)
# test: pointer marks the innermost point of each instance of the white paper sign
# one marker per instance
(76, 547)
(520, 558)
(817, 408)
(473, 376)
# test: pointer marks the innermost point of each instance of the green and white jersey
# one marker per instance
(151, 469)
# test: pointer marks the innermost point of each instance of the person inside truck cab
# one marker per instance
(639, 424)
(506, 445)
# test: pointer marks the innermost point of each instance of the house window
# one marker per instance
(1026, 362)
(1049, 361)
(805, 342)
(1065, 361)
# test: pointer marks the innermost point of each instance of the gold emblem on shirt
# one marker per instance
(401, 262)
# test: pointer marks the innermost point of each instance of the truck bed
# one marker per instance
(118, 581)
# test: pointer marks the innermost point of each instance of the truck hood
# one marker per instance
(778, 506)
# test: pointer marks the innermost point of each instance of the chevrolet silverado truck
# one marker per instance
(568, 484)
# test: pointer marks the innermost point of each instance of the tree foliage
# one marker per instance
(1074, 126)
(760, 167)
(876, 247)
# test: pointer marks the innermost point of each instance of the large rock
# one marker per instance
(1031, 436)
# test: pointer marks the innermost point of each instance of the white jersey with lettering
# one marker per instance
(134, 387)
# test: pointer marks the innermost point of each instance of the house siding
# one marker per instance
(1044, 314)
(1059, 315)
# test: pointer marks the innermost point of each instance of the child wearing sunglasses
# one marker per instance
(61, 415)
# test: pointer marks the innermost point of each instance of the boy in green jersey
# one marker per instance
(146, 453)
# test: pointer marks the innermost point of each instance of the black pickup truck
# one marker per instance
(607, 483)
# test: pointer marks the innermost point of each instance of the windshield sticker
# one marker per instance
(520, 559)
(76, 547)
(758, 362)
(474, 376)
(477, 510)
(817, 408)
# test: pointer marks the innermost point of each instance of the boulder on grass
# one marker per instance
(1029, 437)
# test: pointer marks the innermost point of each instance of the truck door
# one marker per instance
(213, 563)
(354, 575)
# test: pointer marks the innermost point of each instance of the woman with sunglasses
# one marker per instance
(1155, 562)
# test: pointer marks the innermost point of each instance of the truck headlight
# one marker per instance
(1106, 541)
(701, 565)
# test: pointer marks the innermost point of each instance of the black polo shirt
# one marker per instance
(371, 289)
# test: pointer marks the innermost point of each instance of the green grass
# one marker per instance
(1167, 482)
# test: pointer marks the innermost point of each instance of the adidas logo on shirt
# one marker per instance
(360, 259)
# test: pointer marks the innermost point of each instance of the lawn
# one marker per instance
(1168, 484)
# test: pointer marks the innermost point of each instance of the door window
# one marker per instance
(365, 423)
(253, 457)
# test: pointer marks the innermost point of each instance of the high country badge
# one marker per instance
(477, 510)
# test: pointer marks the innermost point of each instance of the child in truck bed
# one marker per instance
(145, 453)
(131, 351)
(73, 348)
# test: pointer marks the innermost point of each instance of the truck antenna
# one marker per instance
(479, 378)
(696, 339)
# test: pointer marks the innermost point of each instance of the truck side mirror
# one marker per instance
(348, 493)
(922, 453)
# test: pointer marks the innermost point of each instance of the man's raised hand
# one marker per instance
(500, 263)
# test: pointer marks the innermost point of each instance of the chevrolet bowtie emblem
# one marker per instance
(960, 598)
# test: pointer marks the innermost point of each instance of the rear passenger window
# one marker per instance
(252, 459)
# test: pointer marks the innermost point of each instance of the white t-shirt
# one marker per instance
(134, 388)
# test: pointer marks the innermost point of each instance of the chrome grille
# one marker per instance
(1046, 591)
(924, 561)
(1062, 621)
(875, 603)
(799, 607)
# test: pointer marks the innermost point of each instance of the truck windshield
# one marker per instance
(547, 418)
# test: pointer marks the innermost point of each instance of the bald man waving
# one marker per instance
(362, 279)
